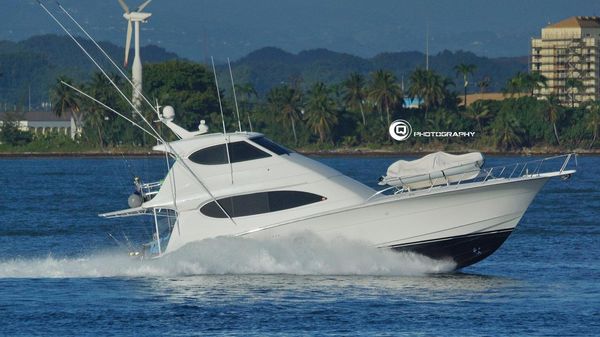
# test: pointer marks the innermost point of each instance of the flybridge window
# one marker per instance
(270, 145)
(217, 155)
(259, 203)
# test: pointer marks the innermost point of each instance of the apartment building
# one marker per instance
(567, 54)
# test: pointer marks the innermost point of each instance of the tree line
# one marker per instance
(355, 112)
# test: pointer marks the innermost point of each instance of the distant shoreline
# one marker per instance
(317, 153)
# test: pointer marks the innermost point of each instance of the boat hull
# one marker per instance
(465, 224)
(464, 250)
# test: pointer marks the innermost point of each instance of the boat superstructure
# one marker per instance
(254, 187)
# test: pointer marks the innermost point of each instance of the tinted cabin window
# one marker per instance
(217, 155)
(259, 203)
(270, 145)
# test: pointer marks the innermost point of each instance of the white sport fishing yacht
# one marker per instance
(243, 184)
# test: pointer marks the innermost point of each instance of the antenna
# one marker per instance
(218, 95)
(427, 46)
(237, 110)
(222, 118)
(402, 84)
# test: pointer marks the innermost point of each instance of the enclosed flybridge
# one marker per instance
(244, 184)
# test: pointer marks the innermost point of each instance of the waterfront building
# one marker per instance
(567, 55)
(41, 122)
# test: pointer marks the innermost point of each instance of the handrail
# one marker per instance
(150, 189)
(485, 174)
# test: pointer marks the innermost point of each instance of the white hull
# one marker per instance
(486, 210)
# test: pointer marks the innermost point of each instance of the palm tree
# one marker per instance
(506, 131)
(516, 85)
(442, 119)
(478, 111)
(246, 92)
(428, 87)
(320, 114)
(95, 114)
(65, 100)
(483, 84)
(573, 86)
(553, 111)
(285, 102)
(385, 91)
(417, 79)
(593, 120)
(535, 80)
(355, 93)
(465, 70)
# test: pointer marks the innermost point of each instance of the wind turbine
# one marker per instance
(135, 17)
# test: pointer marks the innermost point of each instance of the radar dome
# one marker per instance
(168, 112)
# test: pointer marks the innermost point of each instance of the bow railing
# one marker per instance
(518, 170)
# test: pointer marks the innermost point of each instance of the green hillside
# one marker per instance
(35, 64)
(268, 67)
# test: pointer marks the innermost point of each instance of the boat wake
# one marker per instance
(302, 254)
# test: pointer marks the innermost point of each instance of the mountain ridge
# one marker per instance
(31, 66)
(268, 66)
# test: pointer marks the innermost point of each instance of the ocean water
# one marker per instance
(62, 275)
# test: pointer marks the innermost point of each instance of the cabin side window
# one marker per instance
(270, 145)
(217, 154)
(259, 203)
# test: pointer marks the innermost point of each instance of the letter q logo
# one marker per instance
(400, 130)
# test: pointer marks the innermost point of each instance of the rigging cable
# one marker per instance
(136, 110)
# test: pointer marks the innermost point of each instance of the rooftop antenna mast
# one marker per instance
(427, 46)
(427, 35)
(237, 110)
(212, 60)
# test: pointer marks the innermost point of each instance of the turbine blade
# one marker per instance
(128, 42)
(124, 6)
(142, 6)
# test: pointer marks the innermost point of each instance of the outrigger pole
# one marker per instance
(136, 110)
(222, 119)
(237, 110)
(109, 108)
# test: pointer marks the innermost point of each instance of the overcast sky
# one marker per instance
(232, 28)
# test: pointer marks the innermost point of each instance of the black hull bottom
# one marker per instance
(465, 250)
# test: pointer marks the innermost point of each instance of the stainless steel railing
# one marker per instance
(517, 171)
(149, 190)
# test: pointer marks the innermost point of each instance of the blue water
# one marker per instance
(61, 274)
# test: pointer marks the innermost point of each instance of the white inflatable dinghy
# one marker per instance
(438, 168)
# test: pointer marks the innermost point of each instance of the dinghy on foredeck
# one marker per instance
(434, 169)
